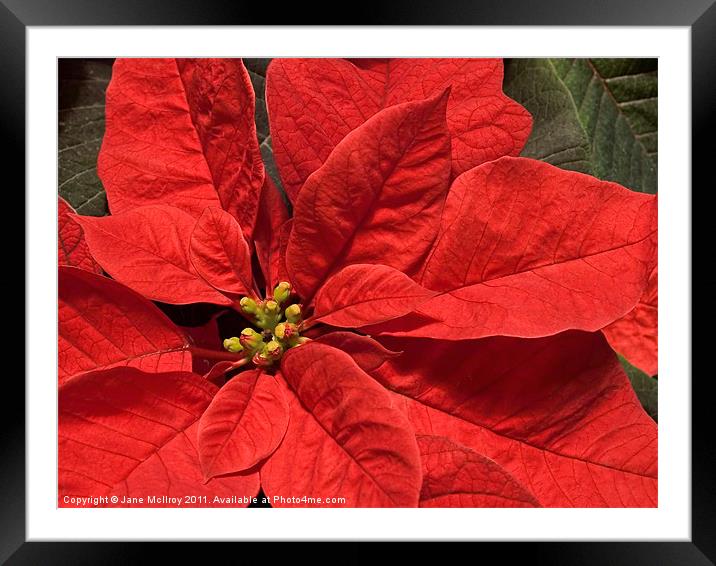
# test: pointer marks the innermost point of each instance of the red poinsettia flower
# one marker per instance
(424, 330)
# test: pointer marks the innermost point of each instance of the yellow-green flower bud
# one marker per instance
(250, 339)
(270, 316)
(233, 344)
(282, 291)
(286, 331)
(273, 350)
(293, 314)
(279, 331)
(248, 305)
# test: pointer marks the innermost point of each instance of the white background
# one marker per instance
(670, 521)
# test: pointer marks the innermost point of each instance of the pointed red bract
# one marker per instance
(147, 249)
(635, 335)
(220, 254)
(222, 104)
(314, 103)
(366, 352)
(363, 294)
(127, 433)
(243, 425)
(527, 249)
(272, 216)
(72, 249)
(455, 476)
(345, 437)
(182, 132)
(557, 413)
(103, 324)
(377, 199)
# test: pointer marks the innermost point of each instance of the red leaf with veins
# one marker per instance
(558, 413)
(314, 103)
(635, 335)
(369, 354)
(352, 440)
(72, 249)
(272, 216)
(243, 425)
(147, 249)
(363, 294)
(377, 199)
(527, 249)
(103, 324)
(128, 433)
(220, 254)
(455, 476)
(182, 132)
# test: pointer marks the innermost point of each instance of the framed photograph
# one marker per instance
(369, 282)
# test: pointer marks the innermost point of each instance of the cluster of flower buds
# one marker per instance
(277, 328)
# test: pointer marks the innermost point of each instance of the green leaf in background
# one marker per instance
(257, 72)
(82, 84)
(645, 387)
(558, 136)
(617, 102)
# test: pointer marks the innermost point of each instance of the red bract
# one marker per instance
(244, 411)
(130, 434)
(526, 249)
(486, 280)
(315, 103)
(363, 294)
(455, 476)
(361, 444)
(557, 413)
(635, 334)
(377, 199)
(147, 249)
(273, 226)
(182, 132)
(103, 324)
(217, 242)
(71, 246)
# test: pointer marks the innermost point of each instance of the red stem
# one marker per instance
(215, 354)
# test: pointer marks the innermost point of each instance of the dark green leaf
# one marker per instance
(645, 387)
(257, 71)
(258, 80)
(614, 103)
(257, 66)
(81, 125)
(617, 104)
(558, 136)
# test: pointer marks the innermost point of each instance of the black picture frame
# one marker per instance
(699, 15)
